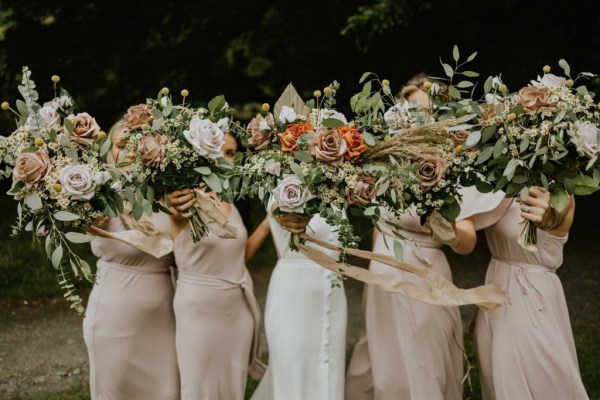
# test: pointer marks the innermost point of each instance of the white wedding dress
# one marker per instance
(305, 324)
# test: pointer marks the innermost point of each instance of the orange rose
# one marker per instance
(354, 141)
(291, 135)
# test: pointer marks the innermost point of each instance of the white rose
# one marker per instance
(326, 113)
(553, 80)
(396, 114)
(205, 137)
(273, 167)
(223, 124)
(77, 181)
(434, 90)
(62, 102)
(291, 196)
(264, 125)
(491, 98)
(117, 186)
(100, 178)
(287, 114)
(50, 118)
(585, 139)
(164, 100)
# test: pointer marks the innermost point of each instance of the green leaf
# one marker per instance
(72, 154)
(464, 84)
(213, 182)
(454, 92)
(471, 74)
(455, 53)
(65, 141)
(105, 148)
(510, 167)
(483, 187)
(398, 250)
(48, 244)
(488, 132)
(65, 216)
(450, 210)
(203, 170)
(369, 139)
(487, 86)
(22, 107)
(33, 201)
(472, 57)
(519, 179)
(584, 185)
(167, 110)
(332, 123)
(484, 155)
(57, 256)
(473, 138)
(76, 237)
(68, 125)
(137, 211)
(559, 199)
(370, 211)
(303, 156)
(87, 271)
(364, 76)
(498, 147)
(565, 66)
(216, 104)
(448, 70)
(524, 193)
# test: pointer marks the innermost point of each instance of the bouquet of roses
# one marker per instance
(546, 134)
(60, 179)
(309, 157)
(178, 146)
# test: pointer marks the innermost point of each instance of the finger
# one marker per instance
(187, 215)
(186, 206)
(531, 217)
(537, 202)
(538, 192)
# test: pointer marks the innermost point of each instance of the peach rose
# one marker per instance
(458, 137)
(139, 115)
(354, 141)
(84, 128)
(261, 128)
(292, 133)
(30, 168)
(328, 146)
(363, 192)
(152, 148)
(535, 99)
(431, 171)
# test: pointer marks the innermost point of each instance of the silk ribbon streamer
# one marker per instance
(213, 218)
(439, 291)
(155, 245)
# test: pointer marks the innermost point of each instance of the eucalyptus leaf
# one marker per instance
(398, 250)
(303, 156)
(33, 201)
(76, 237)
(473, 138)
(65, 216)
(203, 170)
(332, 123)
(455, 53)
(68, 125)
(213, 182)
(57, 255)
(565, 66)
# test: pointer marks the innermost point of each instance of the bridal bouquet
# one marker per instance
(60, 178)
(547, 134)
(177, 146)
(309, 157)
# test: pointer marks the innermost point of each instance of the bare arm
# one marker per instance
(257, 238)
(466, 236)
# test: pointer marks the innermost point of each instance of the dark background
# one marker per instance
(113, 54)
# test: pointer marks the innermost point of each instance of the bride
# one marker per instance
(305, 318)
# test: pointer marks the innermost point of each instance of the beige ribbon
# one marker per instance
(439, 291)
(155, 245)
(441, 229)
(213, 218)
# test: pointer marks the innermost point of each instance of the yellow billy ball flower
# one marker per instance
(5, 106)
(57, 187)
(569, 82)
(546, 69)
(101, 135)
(289, 137)
(185, 93)
(385, 82)
(427, 85)
(265, 107)
(502, 88)
(327, 91)
(317, 93)
(511, 116)
(459, 148)
(55, 78)
(165, 91)
(39, 142)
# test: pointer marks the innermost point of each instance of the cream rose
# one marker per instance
(273, 167)
(553, 80)
(328, 146)
(287, 115)
(205, 137)
(585, 139)
(152, 148)
(262, 129)
(363, 192)
(84, 128)
(291, 196)
(49, 117)
(431, 172)
(138, 116)
(535, 99)
(77, 181)
(30, 168)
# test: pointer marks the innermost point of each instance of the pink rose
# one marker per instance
(328, 146)
(431, 172)
(262, 129)
(30, 168)
(84, 128)
(363, 192)
(152, 148)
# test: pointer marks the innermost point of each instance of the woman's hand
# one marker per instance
(181, 201)
(294, 223)
(536, 208)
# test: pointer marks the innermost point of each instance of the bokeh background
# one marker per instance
(112, 54)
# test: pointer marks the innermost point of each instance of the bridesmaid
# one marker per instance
(218, 317)
(527, 350)
(129, 328)
(410, 349)
(305, 319)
